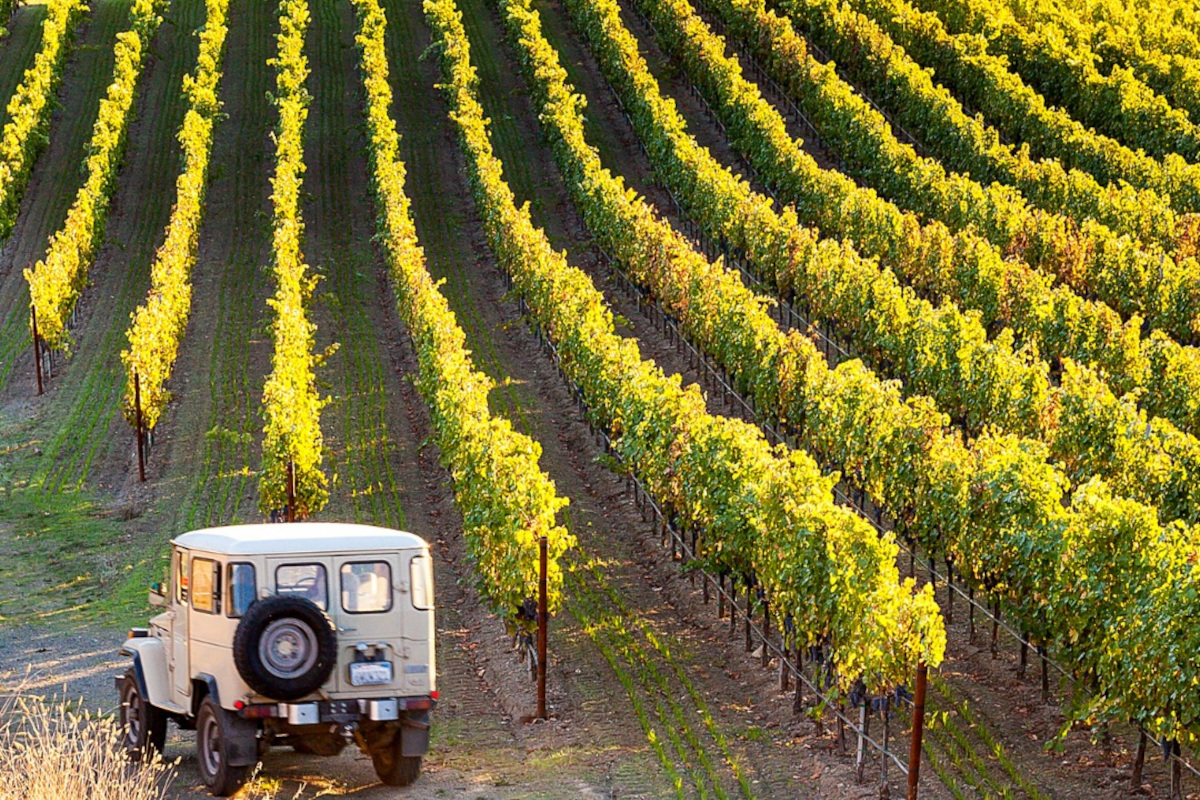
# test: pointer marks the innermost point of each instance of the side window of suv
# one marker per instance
(181, 577)
(206, 585)
(305, 580)
(242, 589)
(421, 575)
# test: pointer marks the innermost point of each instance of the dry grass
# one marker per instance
(50, 752)
(260, 788)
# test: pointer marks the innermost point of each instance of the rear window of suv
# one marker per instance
(304, 580)
(366, 587)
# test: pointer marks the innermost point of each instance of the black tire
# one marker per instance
(143, 727)
(395, 769)
(285, 647)
(212, 729)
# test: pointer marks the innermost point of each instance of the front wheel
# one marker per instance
(212, 731)
(143, 727)
(395, 769)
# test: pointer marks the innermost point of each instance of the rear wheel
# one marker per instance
(143, 727)
(212, 731)
(395, 769)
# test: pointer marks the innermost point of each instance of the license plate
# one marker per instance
(370, 674)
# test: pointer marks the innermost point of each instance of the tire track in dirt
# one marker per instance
(53, 182)
(651, 676)
(339, 228)
(17, 51)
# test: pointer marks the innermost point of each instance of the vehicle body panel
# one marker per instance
(191, 641)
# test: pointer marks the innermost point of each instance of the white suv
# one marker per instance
(312, 635)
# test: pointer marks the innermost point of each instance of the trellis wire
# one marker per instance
(680, 540)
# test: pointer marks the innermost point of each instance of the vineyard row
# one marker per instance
(57, 281)
(158, 325)
(985, 82)
(507, 501)
(996, 509)
(1084, 253)
(824, 567)
(24, 137)
(292, 449)
(977, 382)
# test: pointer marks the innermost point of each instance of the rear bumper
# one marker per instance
(339, 711)
(372, 723)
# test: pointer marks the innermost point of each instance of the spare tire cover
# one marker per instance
(285, 647)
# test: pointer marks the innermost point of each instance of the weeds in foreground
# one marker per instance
(48, 751)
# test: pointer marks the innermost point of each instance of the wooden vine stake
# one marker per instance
(291, 491)
(766, 639)
(971, 613)
(1041, 651)
(995, 628)
(884, 789)
(949, 589)
(749, 609)
(860, 756)
(137, 413)
(1176, 770)
(543, 624)
(918, 729)
(37, 349)
(1138, 762)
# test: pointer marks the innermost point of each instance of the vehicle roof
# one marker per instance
(297, 537)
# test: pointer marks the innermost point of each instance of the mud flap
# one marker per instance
(240, 741)
(414, 733)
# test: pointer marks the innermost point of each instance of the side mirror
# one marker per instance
(158, 597)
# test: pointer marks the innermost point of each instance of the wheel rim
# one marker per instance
(132, 715)
(288, 648)
(210, 745)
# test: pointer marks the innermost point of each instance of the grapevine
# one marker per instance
(997, 507)
(158, 325)
(941, 352)
(985, 82)
(1157, 48)
(57, 281)
(754, 505)
(24, 136)
(1117, 104)
(7, 7)
(507, 501)
(1087, 254)
(292, 446)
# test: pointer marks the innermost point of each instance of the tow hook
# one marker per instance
(350, 733)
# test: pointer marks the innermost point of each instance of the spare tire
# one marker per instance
(285, 647)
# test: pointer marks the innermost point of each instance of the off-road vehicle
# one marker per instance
(311, 635)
